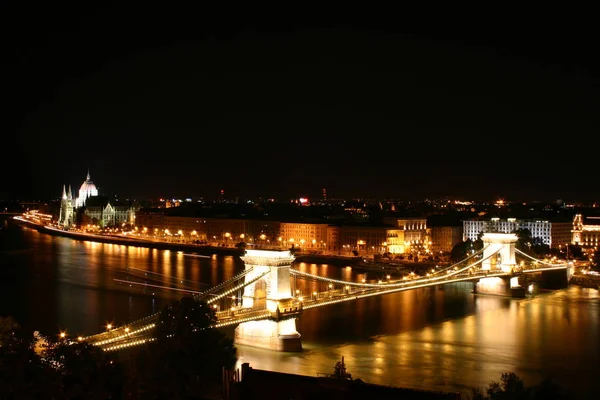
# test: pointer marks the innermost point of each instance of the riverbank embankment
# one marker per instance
(129, 241)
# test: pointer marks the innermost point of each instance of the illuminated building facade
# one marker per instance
(69, 204)
(444, 238)
(99, 211)
(90, 208)
(310, 237)
(87, 190)
(553, 234)
(413, 236)
(66, 216)
(586, 231)
(305, 236)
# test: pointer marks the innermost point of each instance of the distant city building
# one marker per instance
(413, 237)
(99, 211)
(369, 239)
(87, 190)
(69, 204)
(66, 216)
(444, 238)
(306, 236)
(317, 237)
(586, 231)
(553, 234)
(90, 208)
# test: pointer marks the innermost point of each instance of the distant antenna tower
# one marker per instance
(324, 194)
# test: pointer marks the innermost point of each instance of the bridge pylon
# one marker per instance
(273, 292)
(499, 256)
(503, 245)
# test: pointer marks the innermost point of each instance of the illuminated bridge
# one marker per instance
(263, 303)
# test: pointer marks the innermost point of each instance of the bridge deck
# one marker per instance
(140, 331)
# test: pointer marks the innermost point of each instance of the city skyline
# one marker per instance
(362, 107)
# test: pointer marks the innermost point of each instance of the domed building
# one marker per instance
(87, 190)
(91, 208)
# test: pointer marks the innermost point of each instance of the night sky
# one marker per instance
(172, 102)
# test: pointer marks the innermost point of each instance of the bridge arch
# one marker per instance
(499, 256)
(273, 293)
(499, 251)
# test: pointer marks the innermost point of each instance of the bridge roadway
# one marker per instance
(140, 331)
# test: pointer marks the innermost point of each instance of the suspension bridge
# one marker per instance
(265, 302)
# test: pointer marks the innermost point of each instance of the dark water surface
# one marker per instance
(442, 339)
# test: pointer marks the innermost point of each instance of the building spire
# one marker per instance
(64, 194)
(88, 175)
(70, 195)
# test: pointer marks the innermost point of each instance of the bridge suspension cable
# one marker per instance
(151, 274)
(238, 287)
(140, 331)
(435, 278)
(537, 260)
(477, 253)
(221, 285)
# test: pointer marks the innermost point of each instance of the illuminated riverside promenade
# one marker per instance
(266, 316)
(128, 240)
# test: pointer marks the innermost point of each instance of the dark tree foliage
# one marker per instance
(595, 261)
(22, 372)
(524, 239)
(461, 250)
(185, 361)
(478, 243)
(511, 387)
(575, 252)
(85, 370)
(187, 356)
(183, 318)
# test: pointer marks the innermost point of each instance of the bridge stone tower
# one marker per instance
(503, 244)
(269, 285)
(499, 256)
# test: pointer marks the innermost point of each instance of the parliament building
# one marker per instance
(90, 208)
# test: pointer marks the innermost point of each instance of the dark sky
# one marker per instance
(479, 104)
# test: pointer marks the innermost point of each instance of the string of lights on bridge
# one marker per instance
(129, 334)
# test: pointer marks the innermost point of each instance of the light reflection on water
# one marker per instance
(441, 338)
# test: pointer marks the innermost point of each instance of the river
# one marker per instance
(433, 338)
